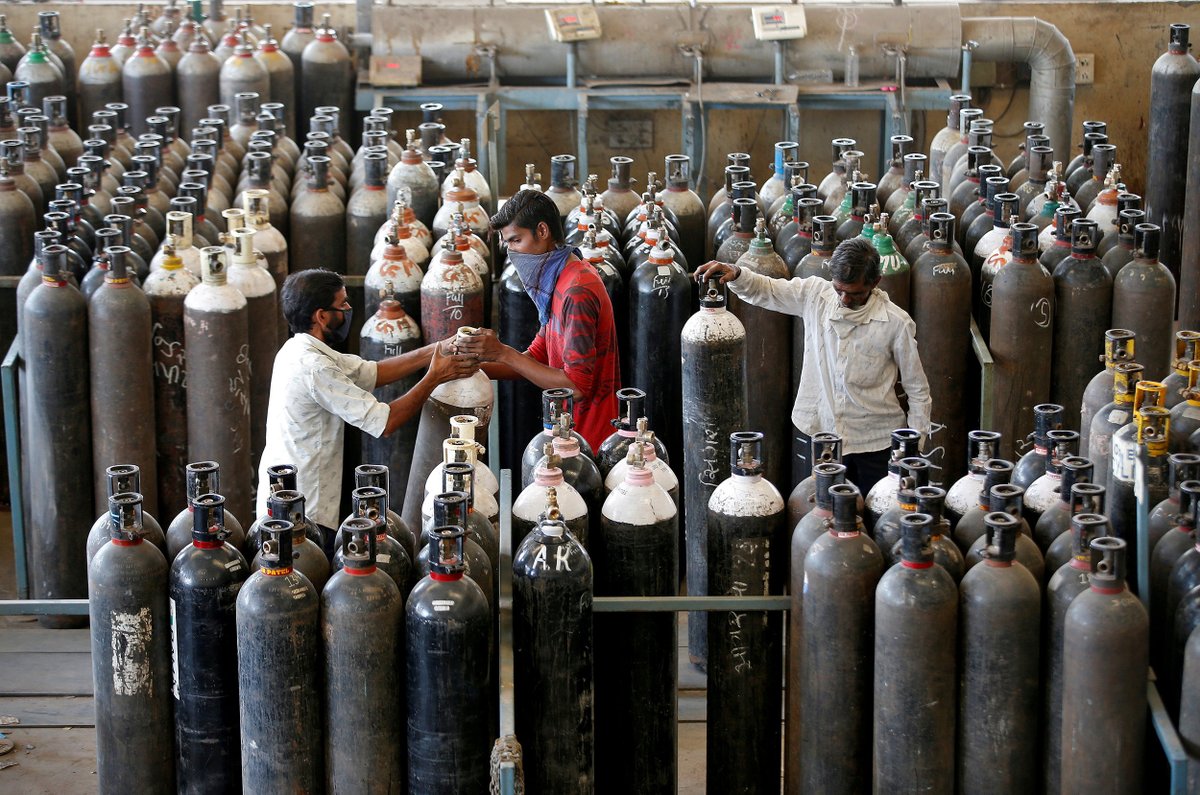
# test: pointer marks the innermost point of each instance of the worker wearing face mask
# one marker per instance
(316, 389)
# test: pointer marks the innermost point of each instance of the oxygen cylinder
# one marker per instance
(941, 289)
(745, 520)
(54, 330)
(317, 223)
(399, 262)
(146, 83)
(840, 573)
(1181, 467)
(519, 324)
(447, 694)
(387, 333)
(131, 657)
(1187, 349)
(916, 622)
(202, 477)
(1103, 719)
(619, 199)
(531, 505)
(17, 224)
(1009, 498)
(882, 495)
(450, 508)
(823, 448)
(1085, 498)
(413, 180)
(1083, 293)
(366, 211)
(890, 182)
(281, 78)
(451, 296)
(292, 45)
(99, 79)
(1021, 337)
(205, 579)
(552, 659)
(1113, 416)
(461, 447)
(913, 473)
(378, 476)
(948, 136)
(634, 554)
(999, 615)
(1118, 347)
(248, 273)
(1189, 710)
(1042, 493)
(815, 523)
(1056, 519)
(1174, 547)
(775, 186)
(460, 477)
(325, 73)
(472, 396)
(122, 479)
(1140, 291)
(167, 289)
(216, 337)
(119, 324)
(712, 345)
(198, 79)
(580, 471)
(964, 494)
(11, 50)
(1171, 82)
(1140, 445)
(40, 71)
(362, 627)
(1070, 580)
(631, 403)
(970, 526)
(391, 556)
(308, 543)
(833, 179)
(659, 306)
(768, 358)
(931, 500)
(278, 646)
(555, 402)
(1185, 417)
(687, 206)
(663, 475)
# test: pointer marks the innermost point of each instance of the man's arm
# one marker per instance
(778, 295)
(912, 377)
(442, 368)
(396, 367)
(502, 362)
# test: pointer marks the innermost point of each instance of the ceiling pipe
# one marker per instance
(1051, 59)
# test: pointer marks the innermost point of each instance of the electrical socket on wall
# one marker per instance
(1085, 68)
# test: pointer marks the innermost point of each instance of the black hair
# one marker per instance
(305, 292)
(527, 209)
(855, 261)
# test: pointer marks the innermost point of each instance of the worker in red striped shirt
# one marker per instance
(576, 346)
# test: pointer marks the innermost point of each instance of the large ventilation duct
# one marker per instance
(1049, 55)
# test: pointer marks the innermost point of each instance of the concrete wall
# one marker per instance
(1125, 38)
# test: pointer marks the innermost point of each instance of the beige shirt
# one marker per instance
(851, 361)
(315, 391)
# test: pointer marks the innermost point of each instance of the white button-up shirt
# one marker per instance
(851, 360)
(314, 391)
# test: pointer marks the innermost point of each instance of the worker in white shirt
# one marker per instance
(316, 389)
(856, 344)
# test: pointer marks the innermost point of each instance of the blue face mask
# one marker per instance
(539, 273)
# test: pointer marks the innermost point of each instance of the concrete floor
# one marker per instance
(45, 682)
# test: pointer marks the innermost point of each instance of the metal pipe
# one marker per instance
(780, 62)
(1049, 55)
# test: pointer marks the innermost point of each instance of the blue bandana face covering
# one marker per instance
(539, 273)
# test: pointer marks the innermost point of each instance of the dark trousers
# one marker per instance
(862, 469)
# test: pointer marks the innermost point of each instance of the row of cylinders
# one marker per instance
(175, 58)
